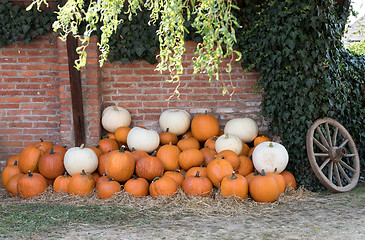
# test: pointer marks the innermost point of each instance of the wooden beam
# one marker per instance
(76, 92)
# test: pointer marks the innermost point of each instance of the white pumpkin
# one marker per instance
(80, 158)
(228, 142)
(143, 139)
(114, 117)
(176, 120)
(244, 128)
(270, 156)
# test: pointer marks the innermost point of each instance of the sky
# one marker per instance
(359, 6)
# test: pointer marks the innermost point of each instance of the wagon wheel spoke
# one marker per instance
(328, 134)
(344, 143)
(343, 172)
(324, 163)
(347, 166)
(337, 174)
(323, 148)
(330, 171)
(334, 136)
(323, 138)
(321, 154)
(350, 155)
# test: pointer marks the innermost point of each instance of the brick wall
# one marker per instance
(35, 98)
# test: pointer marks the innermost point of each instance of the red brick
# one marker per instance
(39, 67)
(29, 73)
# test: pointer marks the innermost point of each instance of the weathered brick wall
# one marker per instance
(35, 94)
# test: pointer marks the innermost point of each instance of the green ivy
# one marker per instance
(305, 73)
(357, 47)
(18, 24)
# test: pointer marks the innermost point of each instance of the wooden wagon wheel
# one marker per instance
(333, 155)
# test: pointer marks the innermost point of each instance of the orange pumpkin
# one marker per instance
(149, 167)
(234, 185)
(8, 172)
(164, 186)
(169, 155)
(43, 145)
(107, 144)
(167, 138)
(197, 185)
(120, 165)
(107, 189)
(192, 171)
(12, 185)
(289, 179)
(28, 159)
(260, 139)
(96, 176)
(231, 157)
(97, 150)
(190, 158)
(263, 188)
(121, 134)
(245, 149)
(176, 175)
(208, 154)
(50, 165)
(81, 184)
(217, 169)
(246, 165)
(137, 154)
(61, 183)
(280, 179)
(187, 143)
(31, 185)
(204, 126)
(101, 179)
(11, 160)
(137, 187)
(210, 142)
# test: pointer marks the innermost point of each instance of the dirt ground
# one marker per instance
(297, 214)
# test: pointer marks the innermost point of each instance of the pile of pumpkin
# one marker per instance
(191, 153)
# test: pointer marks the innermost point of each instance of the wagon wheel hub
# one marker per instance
(337, 153)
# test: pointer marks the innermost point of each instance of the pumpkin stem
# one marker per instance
(197, 174)
(271, 145)
(15, 163)
(52, 151)
(65, 146)
(276, 171)
(226, 135)
(39, 145)
(263, 172)
(133, 149)
(167, 129)
(30, 174)
(82, 146)
(97, 146)
(122, 148)
(135, 177)
(214, 138)
(65, 175)
(233, 176)
(115, 108)
(110, 179)
(83, 172)
(41, 140)
(155, 179)
(176, 171)
(154, 154)
(256, 173)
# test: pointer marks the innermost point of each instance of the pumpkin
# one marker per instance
(270, 156)
(101, 179)
(190, 158)
(197, 185)
(114, 117)
(120, 165)
(244, 128)
(143, 139)
(234, 185)
(192, 172)
(168, 137)
(246, 165)
(61, 183)
(137, 154)
(169, 156)
(137, 187)
(80, 158)
(187, 143)
(43, 145)
(101, 162)
(217, 169)
(176, 175)
(96, 176)
(110, 135)
(176, 120)
(28, 159)
(279, 179)
(11, 160)
(12, 185)
(187, 134)
(121, 134)
(208, 154)
(228, 142)
(245, 149)
(260, 139)
(231, 157)
(81, 184)
(289, 179)
(58, 149)
(107, 189)
(98, 151)
(263, 188)
(251, 175)
(210, 142)
(31, 185)
(163, 186)
(50, 165)
(204, 126)
(8, 172)
(108, 144)
(149, 167)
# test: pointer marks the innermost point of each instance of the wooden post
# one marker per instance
(76, 92)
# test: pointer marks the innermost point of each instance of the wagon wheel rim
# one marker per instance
(333, 155)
